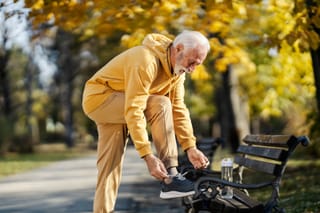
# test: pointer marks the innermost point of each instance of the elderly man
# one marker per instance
(144, 85)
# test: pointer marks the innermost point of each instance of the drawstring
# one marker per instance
(169, 59)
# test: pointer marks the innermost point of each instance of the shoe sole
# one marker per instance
(175, 194)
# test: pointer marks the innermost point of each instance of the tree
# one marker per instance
(234, 36)
(6, 112)
(314, 34)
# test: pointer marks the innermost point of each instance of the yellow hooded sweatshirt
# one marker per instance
(139, 72)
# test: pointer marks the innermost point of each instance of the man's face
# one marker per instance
(188, 59)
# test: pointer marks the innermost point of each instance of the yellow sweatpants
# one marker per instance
(112, 140)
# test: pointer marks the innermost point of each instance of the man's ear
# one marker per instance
(179, 48)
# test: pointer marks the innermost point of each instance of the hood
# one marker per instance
(159, 44)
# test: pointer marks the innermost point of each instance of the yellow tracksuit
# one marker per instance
(135, 88)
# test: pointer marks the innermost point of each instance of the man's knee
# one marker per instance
(159, 102)
(164, 100)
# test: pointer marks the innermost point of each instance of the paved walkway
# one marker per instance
(68, 187)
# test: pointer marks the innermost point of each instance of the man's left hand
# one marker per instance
(197, 158)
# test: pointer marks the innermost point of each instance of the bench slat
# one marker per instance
(268, 140)
(270, 153)
(261, 166)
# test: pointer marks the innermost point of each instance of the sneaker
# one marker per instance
(179, 186)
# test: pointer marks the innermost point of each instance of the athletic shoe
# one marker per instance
(179, 186)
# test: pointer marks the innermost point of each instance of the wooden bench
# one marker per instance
(266, 155)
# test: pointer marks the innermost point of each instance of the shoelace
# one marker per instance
(179, 176)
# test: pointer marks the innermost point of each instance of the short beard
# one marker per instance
(179, 69)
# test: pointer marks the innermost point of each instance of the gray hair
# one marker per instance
(191, 39)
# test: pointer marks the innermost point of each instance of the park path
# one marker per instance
(68, 187)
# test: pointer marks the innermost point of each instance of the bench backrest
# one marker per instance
(266, 153)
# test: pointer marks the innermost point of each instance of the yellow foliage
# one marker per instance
(37, 5)
(271, 104)
(245, 67)
(287, 81)
(134, 39)
(50, 16)
(200, 73)
(221, 64)
(313, 38)
(88, 33)
(216, 26)
(167, 6)
(234, 28)
(216, 47)
(316, 18)
(71, 2)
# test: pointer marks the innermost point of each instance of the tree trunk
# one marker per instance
(226, 112)
(32, 130)
(69, 113)
(6, 120)
(5, 83)
(68, 66)
(315, 55)
(240, 108)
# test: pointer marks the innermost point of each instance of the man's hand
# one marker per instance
(156, 167)
(197, 158)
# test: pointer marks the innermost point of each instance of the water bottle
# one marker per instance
(226, 174)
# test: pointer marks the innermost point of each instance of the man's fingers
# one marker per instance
(202, 164)
(161, 175)
(160, 171)
(164, 172)
(207, 164)
(163, 168)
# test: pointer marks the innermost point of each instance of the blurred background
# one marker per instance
(262, 75)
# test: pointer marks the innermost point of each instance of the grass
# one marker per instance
(300, 187)
(13, 163)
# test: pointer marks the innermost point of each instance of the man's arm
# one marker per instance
(181, 116)
(183, 127)
(137, 83)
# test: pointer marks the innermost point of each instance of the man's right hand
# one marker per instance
(156, 167)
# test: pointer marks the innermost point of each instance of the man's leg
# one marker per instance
(111, 147)
(159, 116)
(112, 132)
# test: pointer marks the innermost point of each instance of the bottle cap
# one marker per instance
(226, 162)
